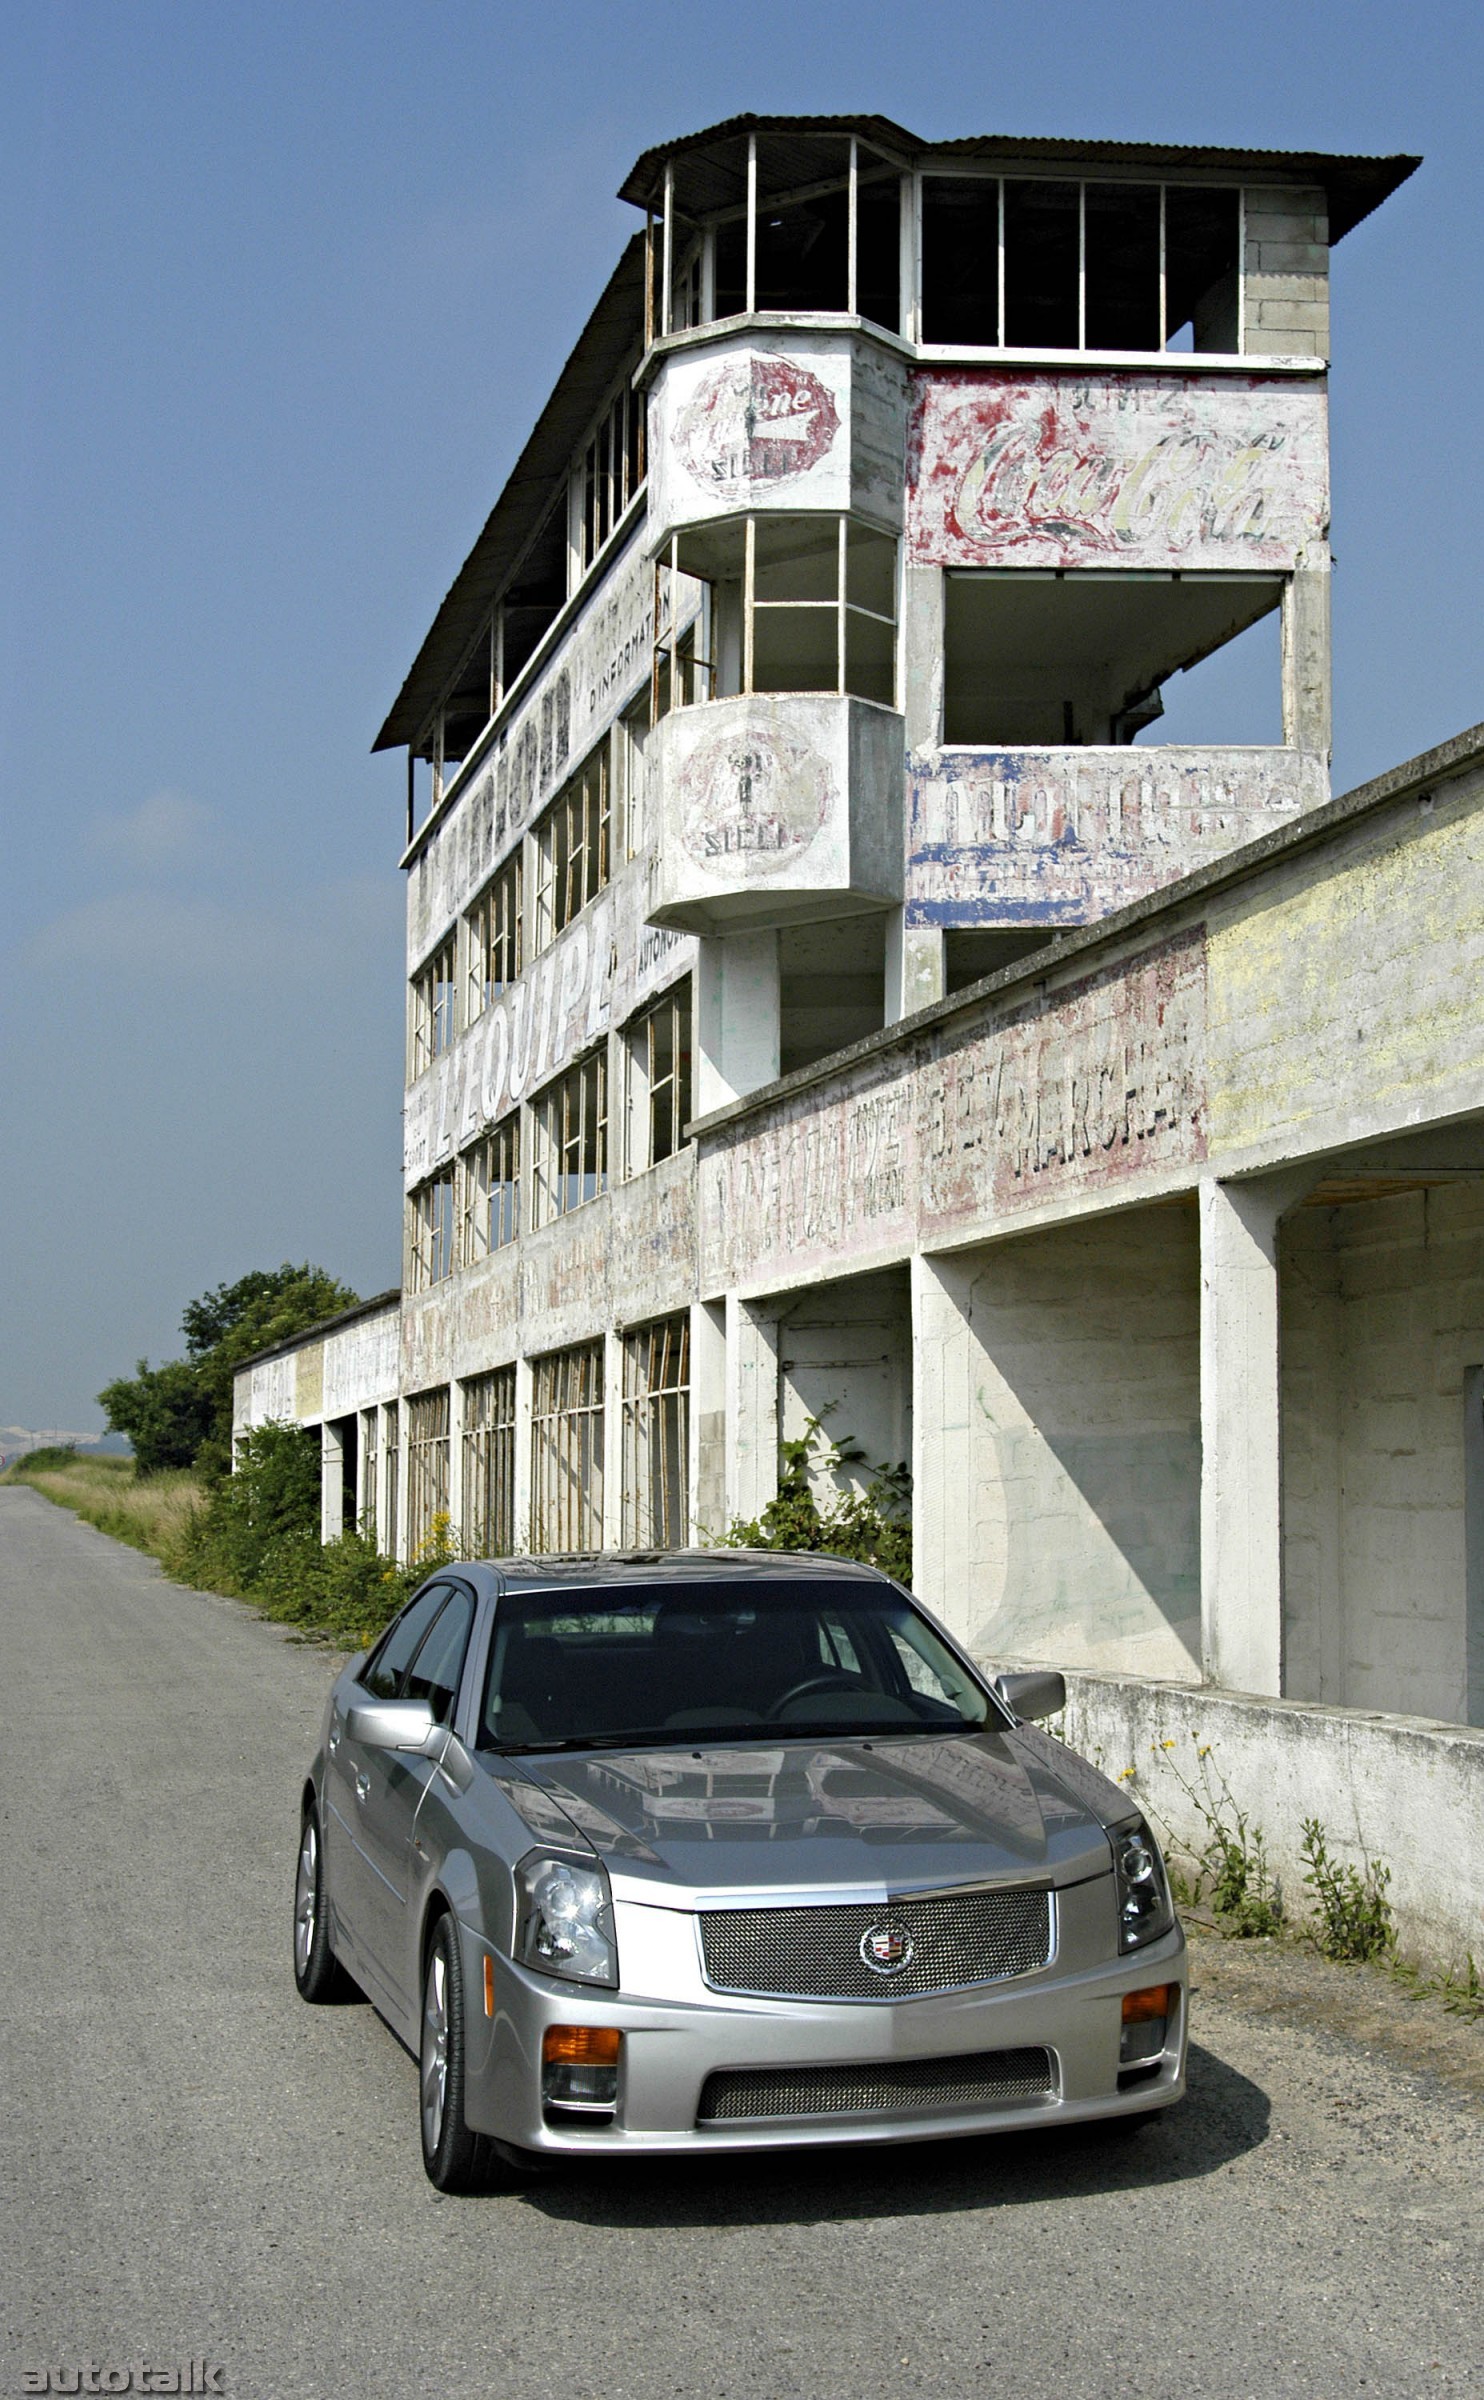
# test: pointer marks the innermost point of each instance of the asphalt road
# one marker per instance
(196, 2165)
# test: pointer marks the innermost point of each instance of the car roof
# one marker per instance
(636, 1569)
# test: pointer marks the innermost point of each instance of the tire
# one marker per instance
(318, 1974)
(456, 2160)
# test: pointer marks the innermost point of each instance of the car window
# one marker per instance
(391, 1660)
(440, 1662)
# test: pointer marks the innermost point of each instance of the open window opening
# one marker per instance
(569, 1127)
(1052, 661)
(832, 987)
(1039, 264)
(432, 1010)
(535, 598)
(970, 952)
(574, 851)
(491, 1190)
(800, 223)
(489, 1464)
(658, 1051)
(428, 1417)
(494, 938)
(788, 604)
(567, 1449)
(612, 471)
(656, 1434)
(432, 1230)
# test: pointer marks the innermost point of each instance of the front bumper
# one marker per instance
(1071, 2008)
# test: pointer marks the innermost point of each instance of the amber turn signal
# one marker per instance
(1138, 2007)
(581, 2045)
(489, 1985)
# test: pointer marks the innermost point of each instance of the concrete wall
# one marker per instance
(845, 1356)
(1399, 1790)
(1058, 1453)
(1286, 286)
(1383, 1317)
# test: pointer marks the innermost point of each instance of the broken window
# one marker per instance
(370, 1461)
(628, 774)
(495, 938)
(567, 1449)
(573, 854)
(432, 1010)
(656, 1434)
(612, 471)
(489, 1464)
(427, 1468)
(536, 595)
(658, 1046)
(791, 604)
(492, 1190)
(1033, 263)
(569, 1127)
(430, 1232)
(1049, 660)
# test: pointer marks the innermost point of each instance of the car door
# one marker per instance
(351, 1878)
(398, 1780)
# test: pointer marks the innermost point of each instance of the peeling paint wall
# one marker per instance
(1078, 470)
(1057, 838)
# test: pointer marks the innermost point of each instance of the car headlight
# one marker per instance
(564, 1918)
(1145, 1909)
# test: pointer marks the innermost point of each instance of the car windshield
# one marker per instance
(593, 1669)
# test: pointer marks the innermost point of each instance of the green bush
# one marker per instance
(874, 1526)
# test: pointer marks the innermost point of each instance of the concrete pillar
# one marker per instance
(1306, 653)
(1241, 1433)
(737, 1016)
(751, 1407)
(922, 657)
(331, 1484)
(523, 1529)
(708, 1421)
(945, 1470)
(613, 1442)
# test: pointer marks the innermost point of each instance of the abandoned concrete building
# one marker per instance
(867, 961)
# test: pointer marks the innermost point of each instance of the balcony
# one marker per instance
(775, 809)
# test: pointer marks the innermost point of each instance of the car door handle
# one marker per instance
(334, 1739)
(363, 1785)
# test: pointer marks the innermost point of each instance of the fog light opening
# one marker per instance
(579, 2067)
(1146, 2018)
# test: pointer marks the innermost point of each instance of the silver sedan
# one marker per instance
(713, 1851)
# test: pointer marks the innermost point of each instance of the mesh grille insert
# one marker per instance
(928, 2084)
(816, 1953)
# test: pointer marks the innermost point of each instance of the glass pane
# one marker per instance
(871, 570)
(1122, 266)
(869, 662)
(795, 650)
(1042, 246)
(961, 259)
(797, 558)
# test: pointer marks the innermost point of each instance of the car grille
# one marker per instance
(815, 1953)
(736, 2094)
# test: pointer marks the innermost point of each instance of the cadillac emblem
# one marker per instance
(886, 1947)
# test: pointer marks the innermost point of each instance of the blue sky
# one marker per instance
(283, 288)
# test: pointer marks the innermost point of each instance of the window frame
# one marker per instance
(655, 1426)
(433, 1008)
(559, 1129)
(685, 656)
(432, 1230)
(567, 1448)
(495, 936)
(571, 873)
(673, 1089)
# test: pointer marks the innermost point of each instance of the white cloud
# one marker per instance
(163, 829)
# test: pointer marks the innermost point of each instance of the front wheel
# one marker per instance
(317, 1971)
(456, 2159)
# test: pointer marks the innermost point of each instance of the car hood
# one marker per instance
(877, 1816)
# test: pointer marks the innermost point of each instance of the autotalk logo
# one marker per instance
(142, 2375)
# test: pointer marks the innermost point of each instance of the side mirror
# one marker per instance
(392, 1724)
(1034, 1692)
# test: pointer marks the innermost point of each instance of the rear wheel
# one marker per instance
(456, 2159)
(317, 1971)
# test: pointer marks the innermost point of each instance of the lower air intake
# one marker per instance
(741, 2094)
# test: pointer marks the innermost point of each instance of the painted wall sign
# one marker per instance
(605, 965)
(1106, 471)
(754, 798)
(1060, 837)
(755, 420)
(361, 1363)
(1102, 1080)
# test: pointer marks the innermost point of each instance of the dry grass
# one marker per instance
(148, 1512)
